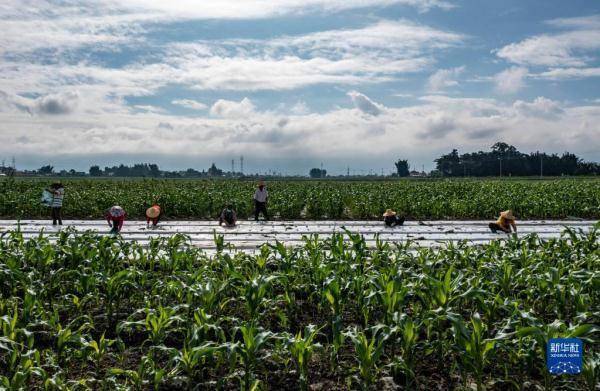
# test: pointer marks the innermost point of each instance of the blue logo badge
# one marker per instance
(564, 356)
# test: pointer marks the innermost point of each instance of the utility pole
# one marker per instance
(242, 164)
(14, 164)
(348, 171)
(232, 167)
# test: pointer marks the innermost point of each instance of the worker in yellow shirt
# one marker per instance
(505, 222)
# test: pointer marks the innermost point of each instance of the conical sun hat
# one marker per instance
(153, 212)
(116, 211)
(389, 212)
(507, 214)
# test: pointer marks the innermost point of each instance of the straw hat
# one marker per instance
(116, 211)
(153, 212)
(507, 214)
(389, 212)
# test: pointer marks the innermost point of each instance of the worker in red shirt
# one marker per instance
(115, 216)
(153, 214)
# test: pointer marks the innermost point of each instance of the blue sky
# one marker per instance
(290, 84)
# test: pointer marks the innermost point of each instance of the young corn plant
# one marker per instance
(368, 352)
(408, 331)
(256, 292)
(192, 360)
(475, 348)
(591, 371)
(301, 348)
(97, 350)
(251, 350)
(333, 295)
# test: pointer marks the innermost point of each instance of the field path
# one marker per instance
(249, 235)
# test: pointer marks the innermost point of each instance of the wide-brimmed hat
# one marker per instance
(116, 211)
(389, 212)
(507, 214)
(153, 212)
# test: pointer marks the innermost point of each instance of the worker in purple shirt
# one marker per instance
(261, 196)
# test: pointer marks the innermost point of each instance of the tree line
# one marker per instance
(506, 160)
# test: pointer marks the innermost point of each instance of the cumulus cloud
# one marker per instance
(436, 124)
(443, 79)
(365, 104)
(540, 107)
(511, 80)
(573, 48)
(231, 109)
(56, 104)
(50, 104)
(190, 104)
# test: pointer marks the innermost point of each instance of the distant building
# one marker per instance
(417, 174)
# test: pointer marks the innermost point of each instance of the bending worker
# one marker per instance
(391, 219)
(115, 217)
(228, 216)
(153, 215)
(504, 222)
(261, 196)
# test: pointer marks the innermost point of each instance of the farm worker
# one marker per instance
(115, 217)
(58, 193)
(391, 219)
(504, 222)
(153, 214)
(261, 196)
(228, 216)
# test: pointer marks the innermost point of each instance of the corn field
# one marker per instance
(89, 312)
(312, 200)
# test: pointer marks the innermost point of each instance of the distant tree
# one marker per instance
(95, 171)
(402, 168)
(154, 170)
(46, 170)
(214, 171)
(510, 161)
(317, 173)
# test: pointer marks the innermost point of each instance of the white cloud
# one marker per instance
(579, 22)
(236, 127)
(190, 104)
(231, 109)
(540, 107)
(253, 9)
(510, 80)
(372, 54)
(300, 108)
(568, 73)
(365, 104)
(574, 48)
(30, 25)
(443, 79)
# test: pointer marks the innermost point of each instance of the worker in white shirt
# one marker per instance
(58, 194)
(261, 195)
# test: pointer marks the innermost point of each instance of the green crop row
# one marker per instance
(84, 312)
(203, 199)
